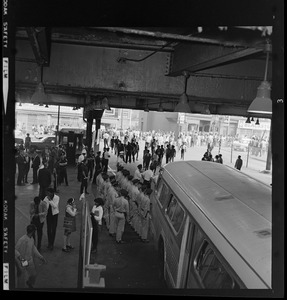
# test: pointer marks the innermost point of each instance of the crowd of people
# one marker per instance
(121, 197)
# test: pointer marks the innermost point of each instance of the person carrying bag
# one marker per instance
(69, 224)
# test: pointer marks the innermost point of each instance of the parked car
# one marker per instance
(241, 145)
(41, 144)
(18, 142)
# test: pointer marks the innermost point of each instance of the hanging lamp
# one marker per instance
(182, 105)
(39, 97)
(262, 104)
(248, 120)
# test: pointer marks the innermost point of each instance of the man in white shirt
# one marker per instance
(120, 160)
(25, 249)
(80, 160)
(106, 137)
(52, 202)
(147, 177)
(138, 173)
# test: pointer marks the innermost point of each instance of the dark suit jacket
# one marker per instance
(44, 177)
(36, 162)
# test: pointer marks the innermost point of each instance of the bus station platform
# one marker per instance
(129, 266)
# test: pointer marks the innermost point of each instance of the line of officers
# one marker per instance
(126, 199)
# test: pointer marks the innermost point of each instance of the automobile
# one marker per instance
(241, 145)
(45, 142)
(18, 142)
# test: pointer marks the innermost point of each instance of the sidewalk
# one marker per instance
(61, 270)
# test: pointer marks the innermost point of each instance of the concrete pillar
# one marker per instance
(89, 133)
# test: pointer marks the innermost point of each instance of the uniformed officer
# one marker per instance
(134, 191)
(145, 215)
(105, 186)
(138, 225)
(111, 196)
(121, 207)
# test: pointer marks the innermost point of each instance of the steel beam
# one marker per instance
(39, 43)
(195, 58)
(171, 36)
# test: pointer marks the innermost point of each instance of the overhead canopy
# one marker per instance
(140, 67)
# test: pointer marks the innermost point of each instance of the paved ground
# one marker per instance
(129, 266)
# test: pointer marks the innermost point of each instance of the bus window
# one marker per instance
(159, 187)
(211, 272)
(164, 195)
(171, 207)
(175, 213)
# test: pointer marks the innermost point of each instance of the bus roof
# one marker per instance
(238, 205)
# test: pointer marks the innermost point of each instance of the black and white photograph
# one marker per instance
(143, 147)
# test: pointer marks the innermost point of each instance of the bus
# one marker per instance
(211, 225)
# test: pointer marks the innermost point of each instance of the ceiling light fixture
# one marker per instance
(39, 97)
(182, 105)
(257, 122)
(248, 120)
(262, 104)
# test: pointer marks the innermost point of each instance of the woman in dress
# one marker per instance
(69, 224)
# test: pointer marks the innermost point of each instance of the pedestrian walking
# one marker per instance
(96, 217)
(27, 166)
(38, 213)
(20, 160)
(106, 137)
(121, 207)
(146, 159)
(98, 166)
(69, 224)
(84, 176)
(27, 142)
(136, 150)
(63, 162)
(27, 252)
(52, 204)
(44, 180)
(172, 153)
(91, 163)
(167, 154)
(105, 159)
(182, 150)
(129, 150)
(80, 160)
(35, 166)
(220, 159)
(238, 163)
